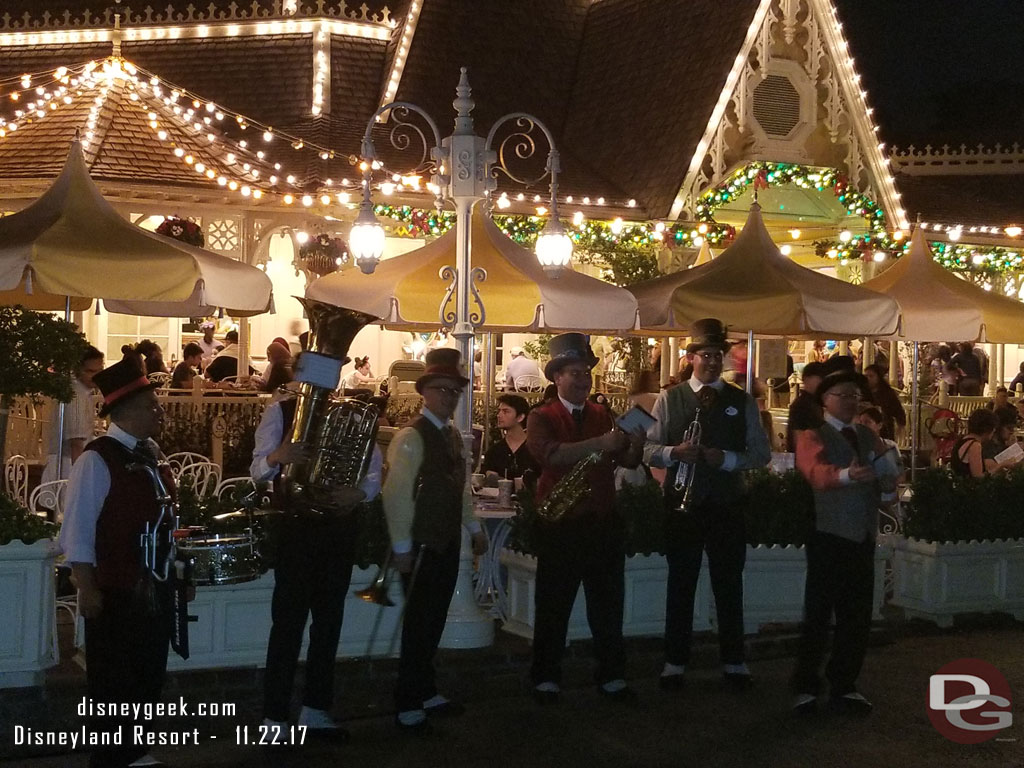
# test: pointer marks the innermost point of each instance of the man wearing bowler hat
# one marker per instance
(111, 499)
(731, 440)
(585, 544)
(848, 467)
(426, 503)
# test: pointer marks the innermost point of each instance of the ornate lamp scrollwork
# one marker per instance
(448, 315)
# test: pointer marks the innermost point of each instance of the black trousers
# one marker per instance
(571, 552)
(719, 530)
(126, 660)
(426, 612)
(311, 577)
(840, 580)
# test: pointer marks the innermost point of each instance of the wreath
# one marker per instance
(323, 254)
(185, 230)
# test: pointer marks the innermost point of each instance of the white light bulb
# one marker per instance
(845, 236)
(786, 250)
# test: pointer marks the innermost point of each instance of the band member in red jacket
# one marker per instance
(586, 543)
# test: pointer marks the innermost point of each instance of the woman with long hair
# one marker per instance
(888, 402)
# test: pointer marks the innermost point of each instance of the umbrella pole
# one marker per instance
(915, 410)
(59, 469)
(750, 362)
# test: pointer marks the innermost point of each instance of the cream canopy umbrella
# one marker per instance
(939, 306)
(752, 287)
(517, 296)
(72, 243)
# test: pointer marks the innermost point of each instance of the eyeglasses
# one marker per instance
(707, 357)
(844, 395)
(450, 391)
(578, 374)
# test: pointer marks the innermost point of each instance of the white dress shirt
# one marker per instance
(87, 491)
(519, 366)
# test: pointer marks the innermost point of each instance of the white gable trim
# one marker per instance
(718, 112)
(864, 129)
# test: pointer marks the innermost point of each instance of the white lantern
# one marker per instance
(554, 248)
(366, 240)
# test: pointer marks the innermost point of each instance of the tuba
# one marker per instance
(341, 430)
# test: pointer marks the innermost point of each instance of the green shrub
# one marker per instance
(946, 507)
(16, 522)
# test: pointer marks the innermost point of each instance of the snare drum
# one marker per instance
(221, 558)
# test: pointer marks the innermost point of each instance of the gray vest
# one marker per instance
(723, 427)
(850, 511)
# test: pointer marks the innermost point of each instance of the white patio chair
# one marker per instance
(16, 478)
(182, 459)
(233, 484)
(49, 497)
(529, 382)
(204, 477)
(159, 377)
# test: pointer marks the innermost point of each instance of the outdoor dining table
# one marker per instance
(490, 587)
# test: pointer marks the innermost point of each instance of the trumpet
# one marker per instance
(686, 471)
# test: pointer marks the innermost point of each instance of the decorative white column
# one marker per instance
(666, 361)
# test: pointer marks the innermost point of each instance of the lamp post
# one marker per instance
(464, 171)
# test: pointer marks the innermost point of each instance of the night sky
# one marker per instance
(941, 70)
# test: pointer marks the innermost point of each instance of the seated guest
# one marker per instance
(1018, 380)
(361, 377)
(967, 458)
(279, 371)
(1002, 438)
(520, 365)
(509, 458)
(872, 417)
(226, 362)
(185, 371)
(1001, 404)
(153, 356)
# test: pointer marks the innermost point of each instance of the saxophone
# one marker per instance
(569, 490)
(341, 430)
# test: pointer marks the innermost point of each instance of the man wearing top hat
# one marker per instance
(586, 544)
(732, 440)
(111, 498)
(848, 467)
(426, 503)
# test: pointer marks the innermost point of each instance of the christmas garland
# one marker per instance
(323, 254)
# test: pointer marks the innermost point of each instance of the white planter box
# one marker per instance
(27, 611)
(773, 592)
(644, 609)
(774, 580)
(936, 581)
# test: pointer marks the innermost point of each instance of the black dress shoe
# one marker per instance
(672, 682)
(805, 705)
(446, 709)
(738, 681)
(623, 695)
(851, 704)
(546, 698)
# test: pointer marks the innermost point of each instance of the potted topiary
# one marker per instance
(963, 549)
(27, 556)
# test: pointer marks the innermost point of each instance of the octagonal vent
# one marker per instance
(776, 106)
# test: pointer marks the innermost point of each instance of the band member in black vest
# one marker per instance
(586, 542)
(731, 440)
(426, 502)
(111, 498)
(312, 572)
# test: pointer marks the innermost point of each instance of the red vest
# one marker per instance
(130, 504)
(557, 423)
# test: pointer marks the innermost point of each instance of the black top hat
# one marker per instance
(568, 348)
(814, 369)
(709, 332)
(121, 381)
(842, 377)
(443, 363)
(838, 363)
